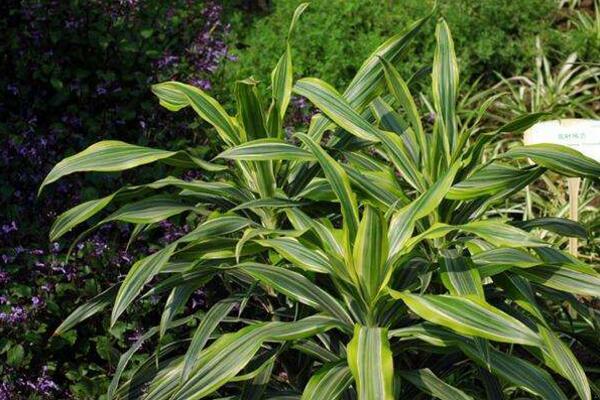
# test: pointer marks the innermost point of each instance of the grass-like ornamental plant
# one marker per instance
(360, 260)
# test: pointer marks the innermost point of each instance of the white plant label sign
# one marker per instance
(582, 135)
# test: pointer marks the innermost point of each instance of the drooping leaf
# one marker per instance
(517, 371)
(298, 287)
(220, 362)
(88, 309)
(568, 278)
(106, 156)
(149, 210)
(429, 383)
(140, 273)
(469, 316)
(175, 95)
(298, 254)
(490, 180)
(76, 215)
(561, 226)
(558, 158)
(562, 360)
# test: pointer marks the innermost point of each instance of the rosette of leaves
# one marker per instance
(398, 281)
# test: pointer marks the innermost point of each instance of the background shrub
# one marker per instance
(490, 36)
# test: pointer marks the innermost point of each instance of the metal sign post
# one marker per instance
(582, 135)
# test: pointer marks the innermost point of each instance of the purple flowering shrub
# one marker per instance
(72, 73)
(39, 289)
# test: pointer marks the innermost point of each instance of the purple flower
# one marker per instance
(36, 302)
(8, 228)
(4, 277)
(43, 385)
(201, 83)
(135, 336)
(47, 287)
(6, 391)
(167, 60)
(13, 89)
(101, 90)
(17, 315)
(55, 247)
(198, 299)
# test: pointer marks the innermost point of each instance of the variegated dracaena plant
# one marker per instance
(375, 252)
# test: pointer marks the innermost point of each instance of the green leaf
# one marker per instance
(429, 383)
(333, 105)
(561, 159)
(222, 225)
(298, 287)
(519, 290)
(297, 13)
(205, 328)
(298, 254)
(267, 149)
(379, 186)
(370, 251)
(399, 155)
(460, 276)
(148, 211)
(502, 234)
(339, 182)
(88, 309)
(250, 109)
(567, 278)
(560, 358)
(174, 304)
(519, 372)
(301, 329)
(220, 362)
(15, 356)
(230, 353)
(371, 362)
(366, 84)
(76, 215)
(126, 357)
(403, 221)
(140, 273)
(328, 383)
(399, 89)
(490, 180)
(106, 156)
(469, 316)
(368, 81)
(175, 95)
(445, 87)
(561, 226)
(491, 262)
